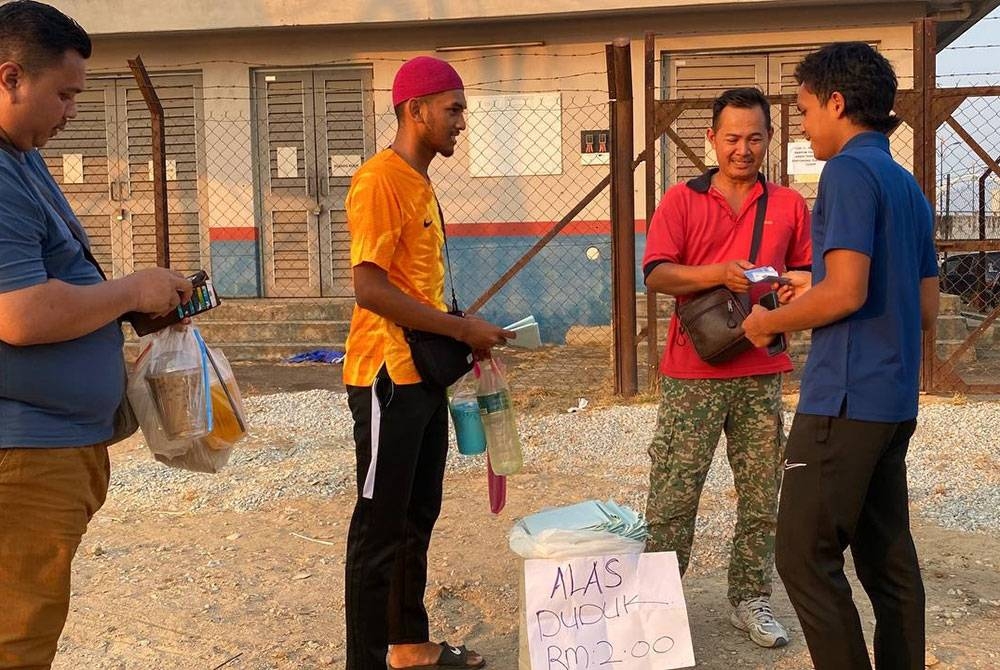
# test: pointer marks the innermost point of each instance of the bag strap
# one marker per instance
(451, 277)
(72, 228)
(758, 223)
(90, 257)
(758, 234)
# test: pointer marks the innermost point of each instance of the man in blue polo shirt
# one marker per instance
(874, 289)
(62, 374)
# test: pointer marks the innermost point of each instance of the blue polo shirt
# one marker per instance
(871, 359)
(51, 395)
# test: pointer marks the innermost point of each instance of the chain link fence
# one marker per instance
(256, 193)
(256, 179)
(967, 207)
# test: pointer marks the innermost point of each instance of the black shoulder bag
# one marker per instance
(441, 360)
(713, 319)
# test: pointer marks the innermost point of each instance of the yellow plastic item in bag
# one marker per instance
(225, 425)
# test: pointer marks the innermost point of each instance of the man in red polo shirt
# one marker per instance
(699, 238)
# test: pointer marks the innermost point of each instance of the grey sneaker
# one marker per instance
(755, 617)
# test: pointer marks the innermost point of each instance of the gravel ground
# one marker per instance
(305, 440)
(244, 569)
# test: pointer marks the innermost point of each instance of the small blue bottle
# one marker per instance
(469, 432)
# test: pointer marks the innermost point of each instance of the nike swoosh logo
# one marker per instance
(427, 224)
(455, 651)
(789, 466)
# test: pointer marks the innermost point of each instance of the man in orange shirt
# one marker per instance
(400, 421)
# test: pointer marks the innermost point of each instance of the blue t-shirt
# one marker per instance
(51, 395)
(870, 359)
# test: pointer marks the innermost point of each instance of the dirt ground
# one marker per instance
(209, 588)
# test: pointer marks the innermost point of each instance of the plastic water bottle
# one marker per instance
(499, 421)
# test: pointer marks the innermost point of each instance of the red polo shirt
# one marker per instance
(694, 225)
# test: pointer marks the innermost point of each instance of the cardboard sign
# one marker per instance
(621, 611)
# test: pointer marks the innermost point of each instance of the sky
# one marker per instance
(974, 58)
(971, 60)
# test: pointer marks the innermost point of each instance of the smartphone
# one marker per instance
(203, 298)
(780, 342)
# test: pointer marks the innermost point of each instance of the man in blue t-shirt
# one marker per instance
(62, 376)
(874, 289)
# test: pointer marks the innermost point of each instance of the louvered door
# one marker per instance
(311, 133)
(101, 161)
(82, 159)
(704, 77)
(287, 184)
(344, 139)
(184, 170)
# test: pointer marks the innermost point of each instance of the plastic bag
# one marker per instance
(464, 409)
(225, 417)
(178, 383)
(499, 421)
(228, 416)
(561, 543)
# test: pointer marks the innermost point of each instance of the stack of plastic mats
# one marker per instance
(591, 528)
(593, 515)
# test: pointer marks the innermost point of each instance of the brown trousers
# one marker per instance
(47, 497)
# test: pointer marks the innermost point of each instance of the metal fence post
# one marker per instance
(652, 318)
(924, 168)
(623, 218)
(159, 149)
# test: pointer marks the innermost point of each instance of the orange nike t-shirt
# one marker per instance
(394, 222)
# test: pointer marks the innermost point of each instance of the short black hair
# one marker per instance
(743, 98)
(859, 73)
(36, 35)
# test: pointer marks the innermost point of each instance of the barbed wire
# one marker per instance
(362, 60)
(485, 85)
(588, 105)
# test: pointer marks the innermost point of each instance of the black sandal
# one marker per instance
(451, 657)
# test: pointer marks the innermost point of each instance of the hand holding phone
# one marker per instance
(780, 342)
(203, 298)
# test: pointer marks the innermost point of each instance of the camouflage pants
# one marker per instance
(692, 415)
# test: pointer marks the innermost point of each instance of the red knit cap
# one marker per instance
(424, 75)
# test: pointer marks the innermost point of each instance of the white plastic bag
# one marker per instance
(464, 408)
(225, 417)
(560, 543)
(141, 395)
(178, 383)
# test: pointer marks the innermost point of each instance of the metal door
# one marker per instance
(313, 129)
(101, 161)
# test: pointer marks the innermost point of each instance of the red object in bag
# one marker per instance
(498, 488)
